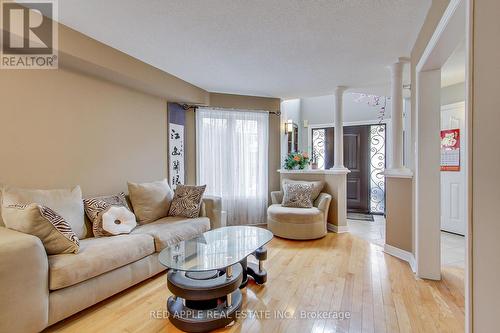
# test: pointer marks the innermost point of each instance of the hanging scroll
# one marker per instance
(176, 148)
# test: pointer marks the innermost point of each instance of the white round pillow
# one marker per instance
(118, 220)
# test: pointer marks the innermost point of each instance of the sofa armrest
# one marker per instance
(212, 208)
(276, 197)
(322, 202)
(24, 285)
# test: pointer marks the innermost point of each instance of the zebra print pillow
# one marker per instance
(41, 221)
(297, 195)
(96, 208)
(187, 201)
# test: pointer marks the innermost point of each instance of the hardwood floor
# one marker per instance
(340, 272)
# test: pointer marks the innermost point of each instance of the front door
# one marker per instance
(357, 155)
(356, 159)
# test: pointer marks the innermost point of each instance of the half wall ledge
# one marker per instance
(398, 173)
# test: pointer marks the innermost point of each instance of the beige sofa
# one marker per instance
(37, 290)
(298, 223)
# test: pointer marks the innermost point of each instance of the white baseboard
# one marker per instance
(337, 229)
(401, 254)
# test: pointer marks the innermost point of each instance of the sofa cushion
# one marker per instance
(187, 201)
(294, 215)
(172, 230)
(150, 201)
(67, 203)
(110, 215)
(97, 256)
(44, 223)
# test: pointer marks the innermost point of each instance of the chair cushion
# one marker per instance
(297, 195)
(67, 203)
(172, 230)
(294, 215)
(97, 256)
(317, 185)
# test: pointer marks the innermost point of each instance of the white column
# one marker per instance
(397, 115)
(338, 119)
(396, 163)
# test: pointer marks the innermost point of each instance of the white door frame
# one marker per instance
(455, 22)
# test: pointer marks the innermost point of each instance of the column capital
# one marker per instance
(340, 89)
(398, 66)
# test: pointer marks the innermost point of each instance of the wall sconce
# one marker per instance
(289, 126)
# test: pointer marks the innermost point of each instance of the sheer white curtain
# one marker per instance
(232, 155)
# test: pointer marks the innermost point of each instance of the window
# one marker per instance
(232, 155)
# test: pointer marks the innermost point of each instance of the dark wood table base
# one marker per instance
(205, 301)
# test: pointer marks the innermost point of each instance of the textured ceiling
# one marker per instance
(279, 48)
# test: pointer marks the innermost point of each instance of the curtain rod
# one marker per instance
(187, 107)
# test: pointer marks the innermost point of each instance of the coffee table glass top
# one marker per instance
(215, 249)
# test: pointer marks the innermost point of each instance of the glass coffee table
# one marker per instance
(207, 272)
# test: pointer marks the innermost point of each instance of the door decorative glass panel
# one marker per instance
(318, 146)
(377, 166)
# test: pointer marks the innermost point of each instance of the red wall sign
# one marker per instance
(450, 150)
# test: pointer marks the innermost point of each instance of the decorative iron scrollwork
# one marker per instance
(318, 144)
(377, 166)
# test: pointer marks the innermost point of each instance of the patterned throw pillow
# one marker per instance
(187, 201)
(44, 223)
(297, 195)
(110, 215)
(317, 186)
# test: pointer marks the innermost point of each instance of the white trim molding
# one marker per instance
(339, 229)
(444, 24)
(401, 254)
(398, 173)
(333, 171)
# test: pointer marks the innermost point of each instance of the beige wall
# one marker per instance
(60, 128)
(485, 163)
(398, 232)
(240, 102)
(98, 121)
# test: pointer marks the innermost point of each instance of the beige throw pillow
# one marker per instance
(44, 223)
(297, 195)
(110, 215)
(150, 201)
(316, 189)
(187, 201)
(67, 203)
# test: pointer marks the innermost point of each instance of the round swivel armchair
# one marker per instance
(298, 223)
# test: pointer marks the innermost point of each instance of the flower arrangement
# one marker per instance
(296, 160)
